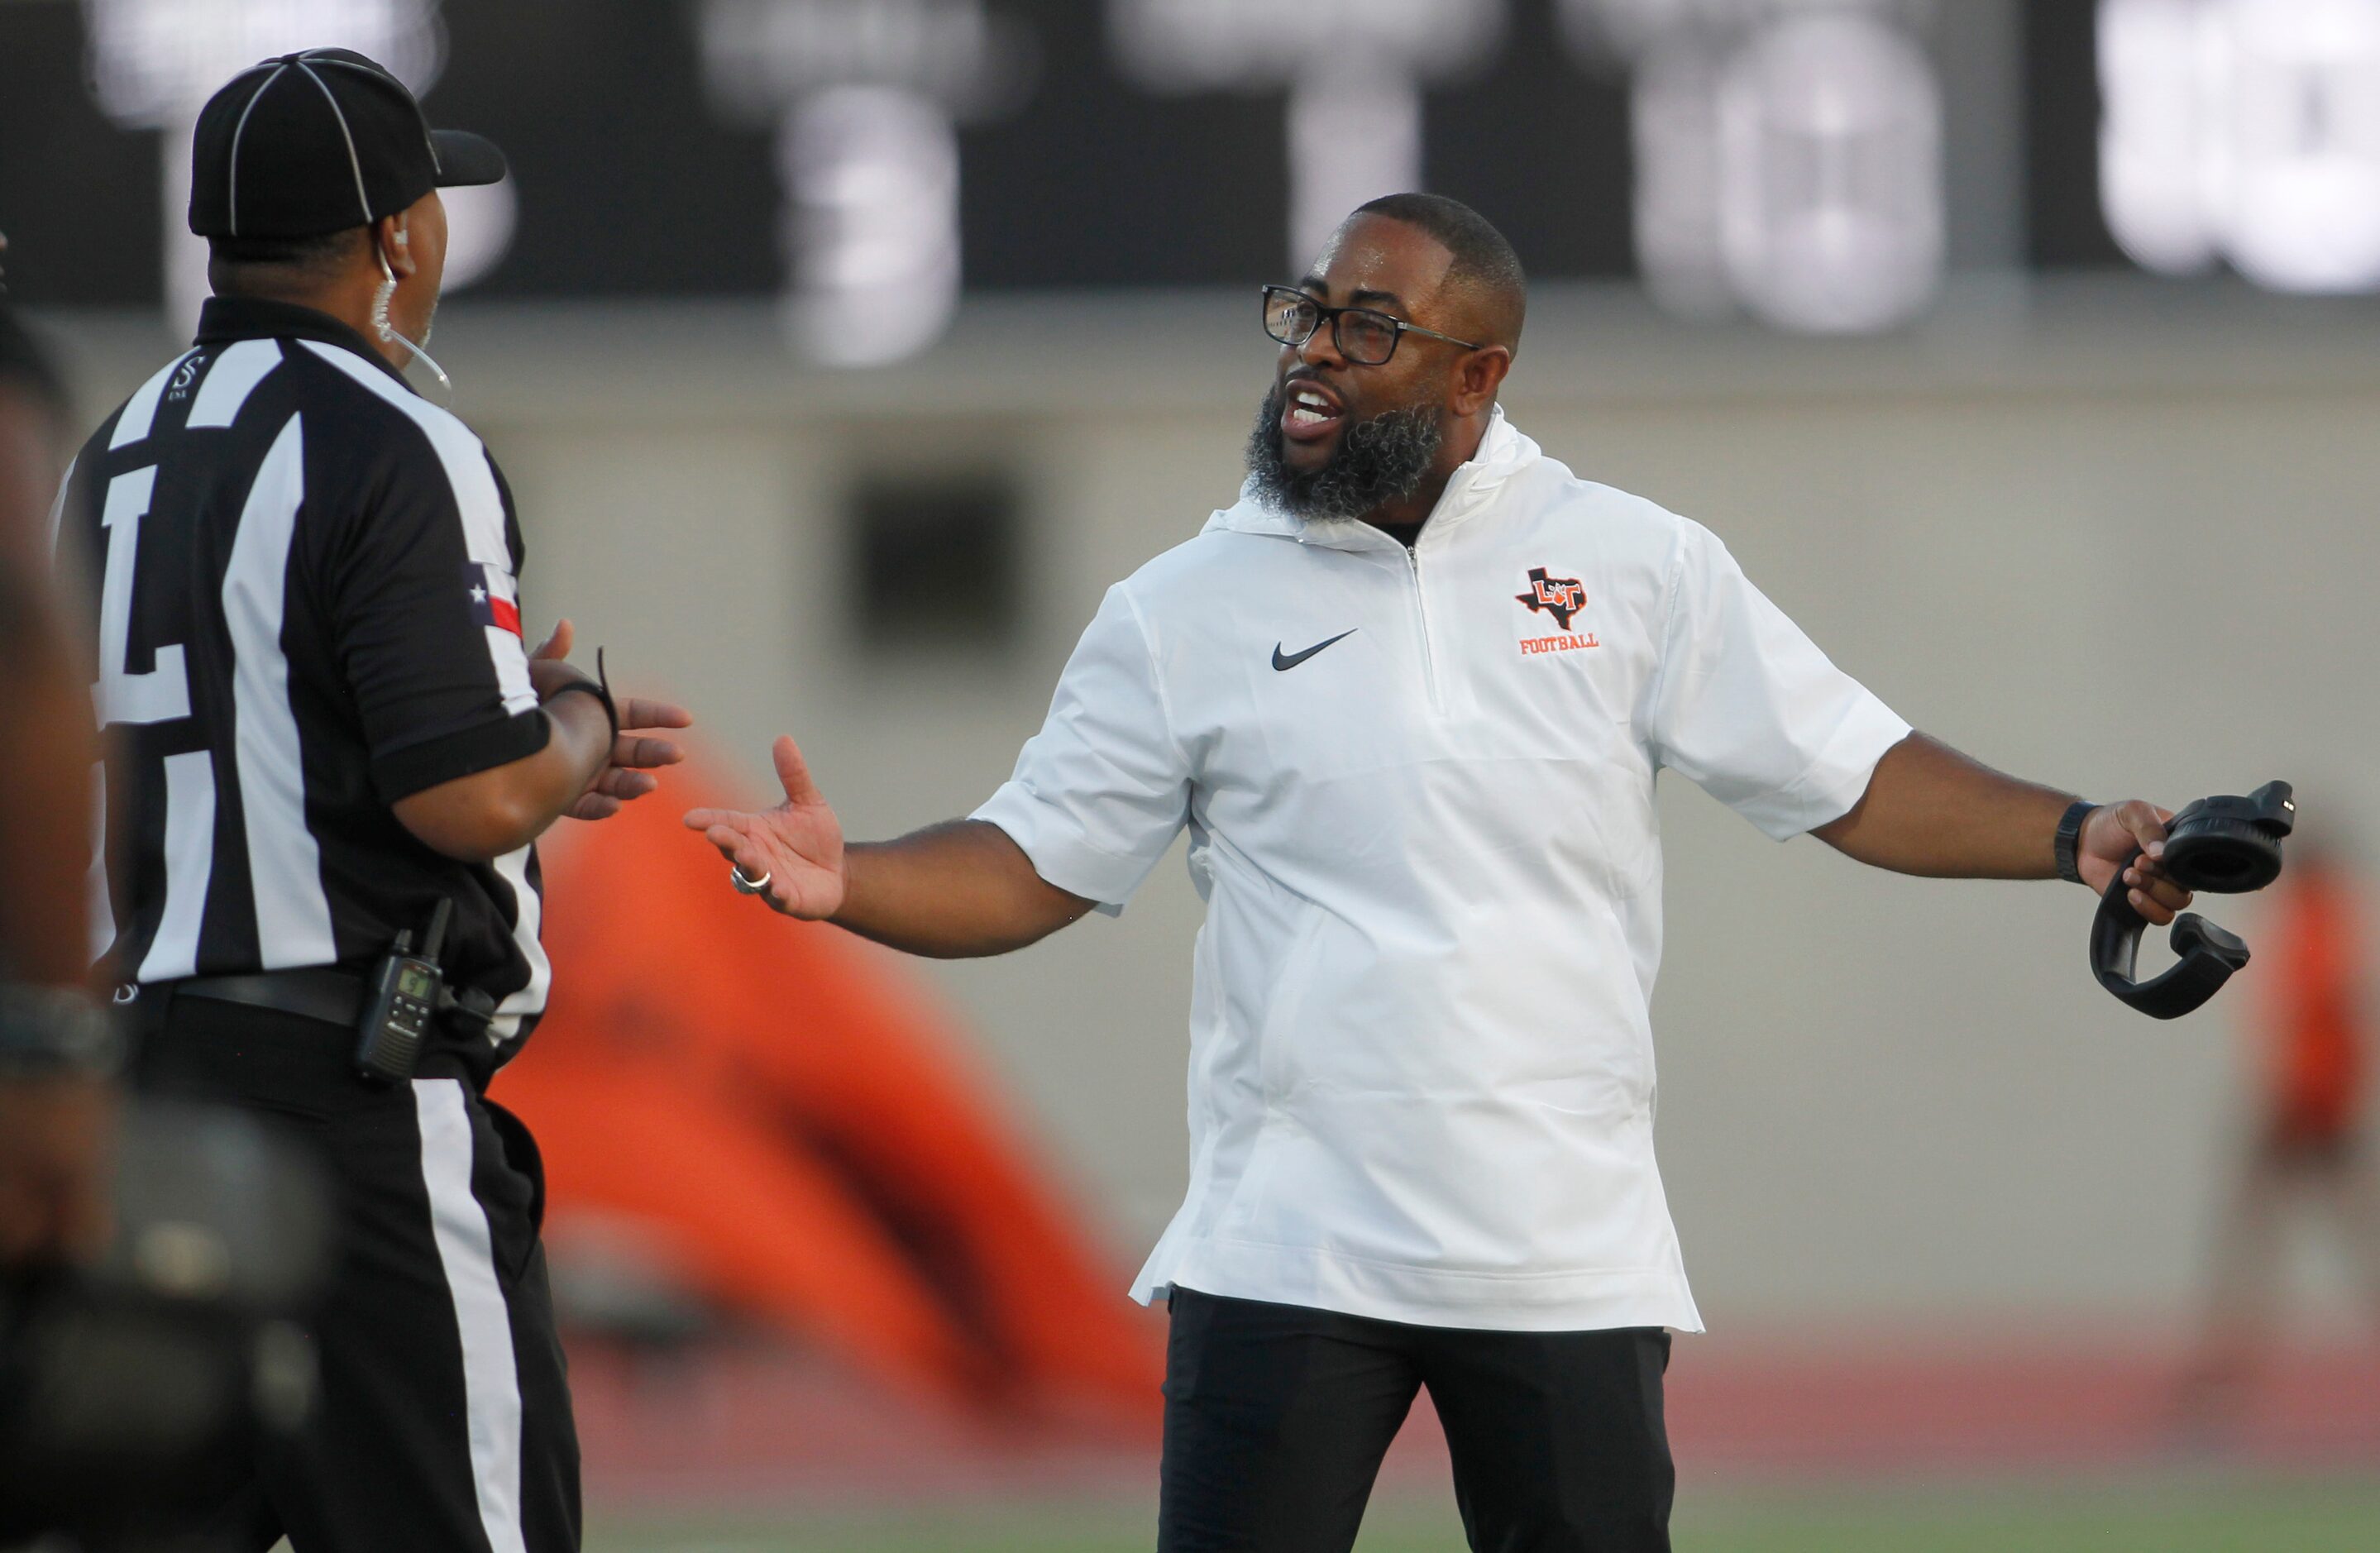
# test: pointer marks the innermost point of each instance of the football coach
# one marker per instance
(329, 756)
(1409, 695)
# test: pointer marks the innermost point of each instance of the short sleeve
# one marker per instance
(1101, 791)
(77, 539)
(1747, 706)
(427, 620)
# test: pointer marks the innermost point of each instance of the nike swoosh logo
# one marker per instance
(1292, 660)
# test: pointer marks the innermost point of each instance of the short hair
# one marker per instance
(1483, 260)
(252, 264)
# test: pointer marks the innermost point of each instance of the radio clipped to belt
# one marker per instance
(405, 996)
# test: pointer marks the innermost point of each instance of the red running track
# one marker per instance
(763, 1423)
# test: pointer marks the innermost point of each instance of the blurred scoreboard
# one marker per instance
(1820, 163)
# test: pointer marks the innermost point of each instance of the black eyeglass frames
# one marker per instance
(1366, 336)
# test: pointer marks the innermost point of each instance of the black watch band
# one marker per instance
(599, 688)
(2070, 835)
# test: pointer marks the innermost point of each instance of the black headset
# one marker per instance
(2227, 847)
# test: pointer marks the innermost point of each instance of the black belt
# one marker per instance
(315, 993)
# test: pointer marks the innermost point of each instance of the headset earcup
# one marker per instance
(2222, 855)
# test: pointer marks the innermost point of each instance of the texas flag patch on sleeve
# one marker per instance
(495, 597)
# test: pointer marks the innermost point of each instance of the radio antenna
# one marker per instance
(435, 939)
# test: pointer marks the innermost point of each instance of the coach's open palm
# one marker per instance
(797, 845)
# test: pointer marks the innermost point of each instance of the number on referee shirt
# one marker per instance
(163, 693)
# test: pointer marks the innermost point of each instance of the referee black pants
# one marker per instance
(443, 1420)
(1276, 1418)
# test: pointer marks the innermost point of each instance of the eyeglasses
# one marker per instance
(1364, 335)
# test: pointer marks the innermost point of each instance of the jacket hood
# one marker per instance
(1504, 452)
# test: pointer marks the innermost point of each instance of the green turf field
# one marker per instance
(2190, 1517)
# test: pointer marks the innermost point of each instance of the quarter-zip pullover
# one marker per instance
(1421, 1063)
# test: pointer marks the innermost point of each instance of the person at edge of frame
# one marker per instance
(2306, 1154)
(58, 1051)
(323, 726)
(1409, 695)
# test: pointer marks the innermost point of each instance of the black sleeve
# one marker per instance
(77, 543)
(423, 602)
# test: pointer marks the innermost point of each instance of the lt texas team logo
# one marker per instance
(1559, 597)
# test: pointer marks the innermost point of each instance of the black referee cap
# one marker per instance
(310, 143)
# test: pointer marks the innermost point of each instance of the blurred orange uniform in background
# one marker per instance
(794, 1133)
(2310, 1029)
(2311, 1051)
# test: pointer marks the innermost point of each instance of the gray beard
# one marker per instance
(1379, 460)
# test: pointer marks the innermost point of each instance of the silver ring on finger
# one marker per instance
(745, 883)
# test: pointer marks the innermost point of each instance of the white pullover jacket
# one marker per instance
(1421, 1065)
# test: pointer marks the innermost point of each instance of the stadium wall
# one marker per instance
(2110, 534)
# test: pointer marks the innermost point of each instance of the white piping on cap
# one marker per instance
(241, 128)
(340, 114)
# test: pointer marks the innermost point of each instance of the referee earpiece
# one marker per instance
(386, 330)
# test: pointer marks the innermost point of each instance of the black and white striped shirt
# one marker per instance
(305, 611)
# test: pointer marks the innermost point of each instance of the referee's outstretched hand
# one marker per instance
(626, 776)
(798, 846)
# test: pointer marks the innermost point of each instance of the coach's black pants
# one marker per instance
(1277, 1416)
(444, 1421)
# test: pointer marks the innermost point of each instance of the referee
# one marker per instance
(1409, 697)
(324, 734)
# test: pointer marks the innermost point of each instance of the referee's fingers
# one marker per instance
(713, 820)
(623, 783)
(643, 752)
(642, 711)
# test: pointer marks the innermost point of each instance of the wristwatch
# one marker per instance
(54, 1032)
(2070, 836)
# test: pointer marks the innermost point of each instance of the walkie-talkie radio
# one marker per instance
(403, 998)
